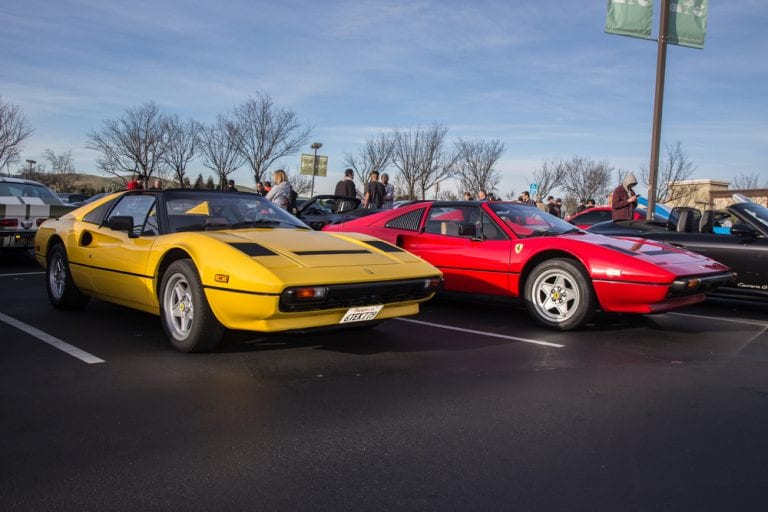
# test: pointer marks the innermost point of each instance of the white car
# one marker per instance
(24, 205)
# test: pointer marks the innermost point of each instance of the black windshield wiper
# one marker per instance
(261, 223)
(541, 233)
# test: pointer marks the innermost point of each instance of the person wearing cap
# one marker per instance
(389, 191)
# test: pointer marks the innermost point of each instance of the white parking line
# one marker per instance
(51, 340)
(723, 319)
(483, 333)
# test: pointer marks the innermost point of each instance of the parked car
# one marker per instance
(736, 236)
(319, 211)
(24, 205)
(562, 273)
(206, 261)
(597, 214)
(73, 198)
(594, 215)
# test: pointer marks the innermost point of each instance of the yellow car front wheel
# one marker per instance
(187, 318)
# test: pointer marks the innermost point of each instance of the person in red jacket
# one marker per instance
(624, 199)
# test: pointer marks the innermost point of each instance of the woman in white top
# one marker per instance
(280, 193)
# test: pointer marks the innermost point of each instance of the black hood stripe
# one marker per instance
(252, 249)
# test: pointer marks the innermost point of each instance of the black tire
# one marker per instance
(62, 291)
(558, 294)
(187, 318)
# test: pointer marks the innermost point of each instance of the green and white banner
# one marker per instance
(687, 23)
(630, 18)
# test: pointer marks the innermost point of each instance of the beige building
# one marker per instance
(711, 194)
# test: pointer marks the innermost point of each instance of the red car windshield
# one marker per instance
(529, 221)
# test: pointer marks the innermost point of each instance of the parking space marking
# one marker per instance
(724, 319)
(483, 333)
(52, 340)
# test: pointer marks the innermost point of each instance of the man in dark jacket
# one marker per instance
(346, 186)
(624, 199)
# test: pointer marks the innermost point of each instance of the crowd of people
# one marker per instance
(379, 193)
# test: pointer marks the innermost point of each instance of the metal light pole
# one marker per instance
(315, 146)
(31, 163)
(658, 107)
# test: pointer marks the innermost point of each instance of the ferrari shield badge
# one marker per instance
(518, 248)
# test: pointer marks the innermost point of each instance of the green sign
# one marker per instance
(687, 23)
(629, 18)
(308, 165)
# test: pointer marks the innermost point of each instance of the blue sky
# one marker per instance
(541, 75)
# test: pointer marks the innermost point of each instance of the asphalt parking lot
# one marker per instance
(465, 407)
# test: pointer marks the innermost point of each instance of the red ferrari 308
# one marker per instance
(563, 274)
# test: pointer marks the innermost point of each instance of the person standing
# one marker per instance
(389, 191)
(526, 198)
(231, 186)
(559, 208)
(260, 189)
(551, 206)
(624, 199)
(482, 195)
(346, 186)
(280, 192)
(468, 196)
(374, 192)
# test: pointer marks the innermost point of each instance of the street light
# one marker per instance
(31, 163)
(315, 146)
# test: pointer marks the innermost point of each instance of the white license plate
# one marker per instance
(361, 314)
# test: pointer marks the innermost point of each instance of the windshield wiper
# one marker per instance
(261, 223)
(542, 233)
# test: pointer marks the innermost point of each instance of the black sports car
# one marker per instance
(736, 236)
(322, 210)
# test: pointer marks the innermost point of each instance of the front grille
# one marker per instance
(362, 294)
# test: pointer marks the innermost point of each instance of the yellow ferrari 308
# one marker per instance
(206, 261)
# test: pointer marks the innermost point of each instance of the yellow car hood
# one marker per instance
(312, 249)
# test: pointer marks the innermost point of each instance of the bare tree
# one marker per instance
(219, 149)
(746, 181)
(183, 142)
(134, 144)
(475, 166)
(585, 179)
(63, 175)
(548, 177)
(375, 155)
(674, 168)
(420, 157)
(14, 128)
(264, 133)
(300, 183)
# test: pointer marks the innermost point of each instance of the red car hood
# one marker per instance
(674, 259)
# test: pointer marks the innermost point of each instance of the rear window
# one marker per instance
(29, 192)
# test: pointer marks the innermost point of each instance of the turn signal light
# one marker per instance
(310, 293)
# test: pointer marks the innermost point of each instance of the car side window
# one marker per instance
(96, 216)
(138, 207)
(457, 221)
